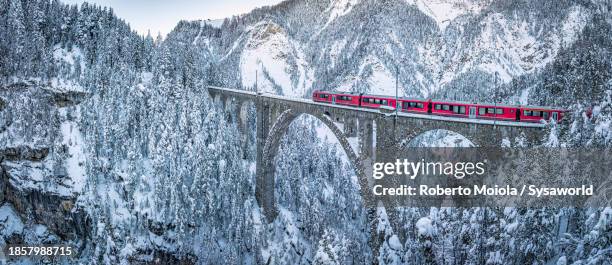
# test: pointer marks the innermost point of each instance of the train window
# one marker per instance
(482, 111)
(322, 95)
(490, 110)
(499, 111)
(527, 112)
(377, 101)
(537, 113)
(462, 109)
(420, 105)
(384, 102)
(405, 105)
(545, 114)
(438, 106)
(445, 107)
(412, 104)
(455, 109)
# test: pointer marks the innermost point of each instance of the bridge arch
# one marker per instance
(272, 143)
(480, 135)
(437, 138)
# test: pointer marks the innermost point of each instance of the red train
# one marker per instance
(442, 108)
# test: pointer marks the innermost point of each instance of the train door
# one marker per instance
(518, 114)
(545, 115)
(333, 99)
(472, 112)
(555, 116)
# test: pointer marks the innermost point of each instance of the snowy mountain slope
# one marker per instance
(275, 61)
(373, 76)
(445, 11)
(453, 41)
(511, 46)
(338, 8)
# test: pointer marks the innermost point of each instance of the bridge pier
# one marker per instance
(243, 127)
(264, 181)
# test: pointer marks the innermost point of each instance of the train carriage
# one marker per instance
(455, 109)
(443, 108)
(322, 96)
(414, 105)
(537, 114)
(349, 99)
(376, 101)
(497, 112)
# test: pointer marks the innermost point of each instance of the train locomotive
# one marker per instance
(442, 108)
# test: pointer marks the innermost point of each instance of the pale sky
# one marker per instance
(163, 15)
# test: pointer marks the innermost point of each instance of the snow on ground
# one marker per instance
(395, 243)
(335, 51)
(71, 57)
(605, 219)
(573, 24)
(273, 62)
(445, 11)
(144, 195)
(217, 23)
(64, 85)
(378, 78)
(197, 38)
(524, 98)
(424, 227)
(440, 138)
(518, 49)
(383, 226)
(121, 215)
(328, 137)
(75, 163)
(507, 46)
(339, 8)
(10, 223)
(35, 176)
(292, 235)
(325, 133)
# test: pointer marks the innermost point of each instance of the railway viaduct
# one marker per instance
(377, 135)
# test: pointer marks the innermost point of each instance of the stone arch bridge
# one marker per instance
(377, 134)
